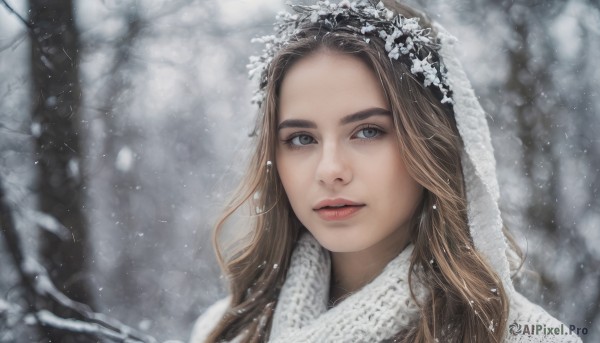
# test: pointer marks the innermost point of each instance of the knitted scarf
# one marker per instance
(376, 312)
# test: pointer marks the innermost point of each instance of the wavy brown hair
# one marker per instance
(467, 301)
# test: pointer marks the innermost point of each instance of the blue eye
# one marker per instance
(368, 133)
(300, 140)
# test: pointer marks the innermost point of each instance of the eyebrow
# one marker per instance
(358, 116)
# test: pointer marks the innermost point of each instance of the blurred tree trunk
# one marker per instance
(528, 81)
(55, 126)
(534, 129)
(118, 145)
(587, 123)
(544, 111)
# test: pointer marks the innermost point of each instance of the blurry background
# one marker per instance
(124, 127)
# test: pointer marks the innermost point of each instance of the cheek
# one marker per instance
(290, 174)
(408, 192)
(397, 188)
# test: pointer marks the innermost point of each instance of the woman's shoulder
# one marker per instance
(528, 322)
(208, 320)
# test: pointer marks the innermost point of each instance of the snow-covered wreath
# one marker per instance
(402, 36)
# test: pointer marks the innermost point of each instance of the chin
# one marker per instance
(339, 242)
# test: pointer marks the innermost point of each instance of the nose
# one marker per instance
(333, 168)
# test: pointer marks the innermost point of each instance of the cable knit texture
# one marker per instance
(380, 309)
(373, 314)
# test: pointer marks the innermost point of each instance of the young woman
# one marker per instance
(373, 193)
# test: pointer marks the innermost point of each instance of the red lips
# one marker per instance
(337, 209)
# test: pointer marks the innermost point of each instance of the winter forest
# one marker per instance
(124, 126)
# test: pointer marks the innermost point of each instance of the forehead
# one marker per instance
(329, 84)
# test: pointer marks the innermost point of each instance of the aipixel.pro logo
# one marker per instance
(539, 329)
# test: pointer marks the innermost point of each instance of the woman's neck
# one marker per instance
(350, 271)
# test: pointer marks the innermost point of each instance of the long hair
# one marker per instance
(467, 301)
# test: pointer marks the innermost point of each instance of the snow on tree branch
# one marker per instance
(39, 289)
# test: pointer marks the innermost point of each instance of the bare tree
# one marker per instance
(55, 126)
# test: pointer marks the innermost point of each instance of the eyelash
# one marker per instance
(288, 141)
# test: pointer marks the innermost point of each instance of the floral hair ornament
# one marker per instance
(404, 39)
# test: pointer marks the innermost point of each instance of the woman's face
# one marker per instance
(337, 141)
